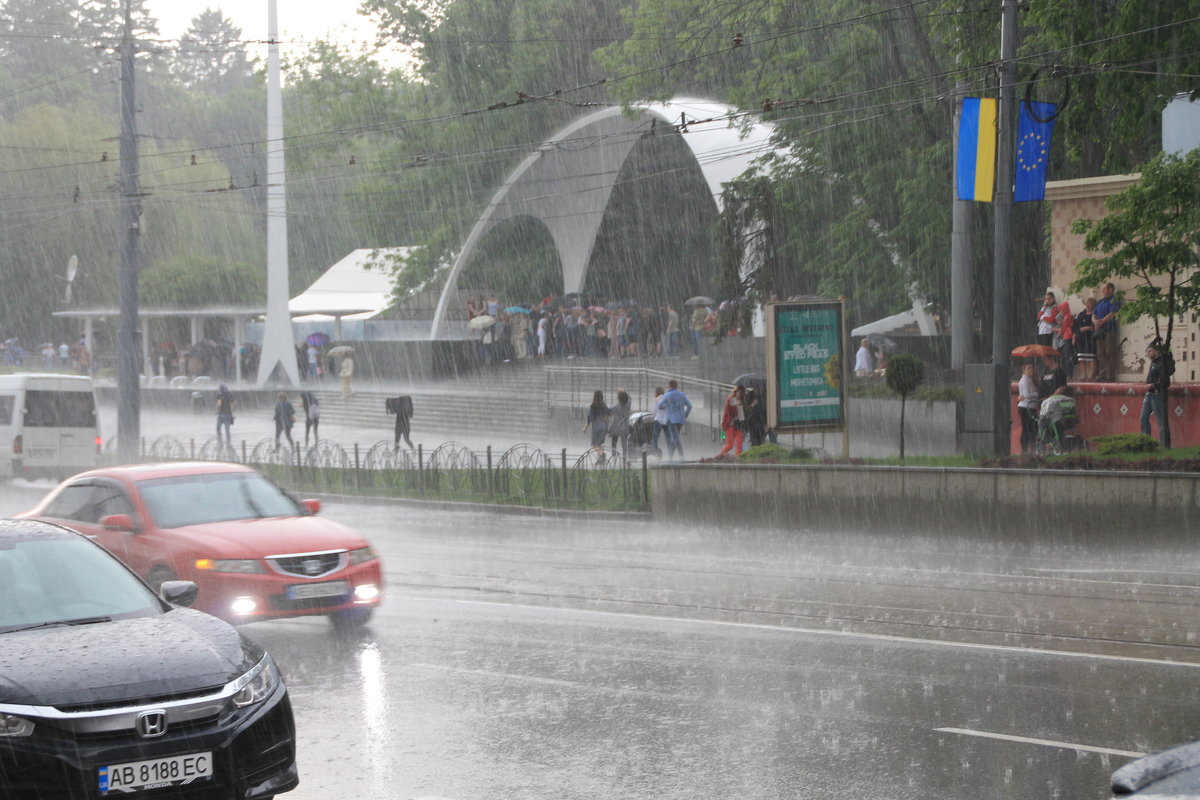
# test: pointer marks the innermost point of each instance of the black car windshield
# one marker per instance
(214, 497)
(66, 581)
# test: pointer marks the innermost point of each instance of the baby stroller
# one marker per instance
(1056, 416)
(641, 433)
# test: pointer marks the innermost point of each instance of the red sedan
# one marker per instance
(255, 552)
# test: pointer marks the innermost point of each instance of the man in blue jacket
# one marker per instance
(677, 407)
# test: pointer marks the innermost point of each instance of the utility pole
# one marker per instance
(128, 378)
(1002, 254)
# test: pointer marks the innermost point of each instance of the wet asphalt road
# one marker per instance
(526, 659)
(520, 658)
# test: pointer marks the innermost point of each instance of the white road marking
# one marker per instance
(1004, 737)
(878, 637)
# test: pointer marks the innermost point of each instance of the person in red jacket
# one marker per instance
(1064, 338)
(733, 421)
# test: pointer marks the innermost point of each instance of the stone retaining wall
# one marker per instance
(1008, 505)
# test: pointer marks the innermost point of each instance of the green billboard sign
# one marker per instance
(806, 366)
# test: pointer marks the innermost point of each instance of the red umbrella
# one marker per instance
(1034, 351)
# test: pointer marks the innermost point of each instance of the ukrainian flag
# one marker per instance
(975, 173)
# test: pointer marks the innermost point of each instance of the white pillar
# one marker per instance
(278, 350)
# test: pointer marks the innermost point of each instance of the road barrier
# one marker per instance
(520, 475)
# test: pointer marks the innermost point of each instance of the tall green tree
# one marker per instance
(212, 55)
(1151, 235)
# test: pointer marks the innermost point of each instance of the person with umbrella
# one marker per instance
(733, 421)
(346, 372)
(1053, 375)
(699, 317)
(1027, 403)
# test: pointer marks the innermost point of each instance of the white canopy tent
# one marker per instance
(357, 287)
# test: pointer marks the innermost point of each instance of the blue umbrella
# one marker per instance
(516, 310)
(318, 339)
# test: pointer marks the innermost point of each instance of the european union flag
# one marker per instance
(1034, 128)
(975, 171)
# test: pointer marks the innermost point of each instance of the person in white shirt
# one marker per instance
(1027, 403)
(864, 359)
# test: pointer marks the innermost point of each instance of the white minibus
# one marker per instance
(48, 425)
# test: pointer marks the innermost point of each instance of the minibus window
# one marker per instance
(44, 409)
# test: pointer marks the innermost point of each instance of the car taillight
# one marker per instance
(18, 446)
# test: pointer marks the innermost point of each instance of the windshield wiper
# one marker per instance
(63, 623)
(245, 487)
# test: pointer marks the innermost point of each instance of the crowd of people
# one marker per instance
(75, 357)
(644, 430)
(553, 328)
(1086, 346)
(1088, 342)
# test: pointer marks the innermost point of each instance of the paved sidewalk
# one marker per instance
(255, 425)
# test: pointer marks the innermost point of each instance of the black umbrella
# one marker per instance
(752, 380)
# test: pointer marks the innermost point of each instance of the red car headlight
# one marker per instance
(361, 555)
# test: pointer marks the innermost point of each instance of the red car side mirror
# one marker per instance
(311, 506)
(117, 522)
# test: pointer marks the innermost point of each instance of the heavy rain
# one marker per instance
(637, 376)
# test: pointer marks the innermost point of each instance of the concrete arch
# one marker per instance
(566, 183)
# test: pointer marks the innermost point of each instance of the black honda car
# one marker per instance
(107, 690)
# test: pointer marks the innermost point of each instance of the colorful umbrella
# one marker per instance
(1034, 351)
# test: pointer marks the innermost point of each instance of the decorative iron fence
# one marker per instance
(521, 475)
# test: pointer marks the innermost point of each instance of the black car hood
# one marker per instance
(144, 659)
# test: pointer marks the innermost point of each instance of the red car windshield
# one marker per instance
(220, 497)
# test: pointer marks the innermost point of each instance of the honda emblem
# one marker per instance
(152, 724)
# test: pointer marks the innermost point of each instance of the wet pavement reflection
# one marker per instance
(555, 658)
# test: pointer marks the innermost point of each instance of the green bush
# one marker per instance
(1124, 443)
(774, 454)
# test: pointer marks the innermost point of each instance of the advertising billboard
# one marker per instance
(806, 368)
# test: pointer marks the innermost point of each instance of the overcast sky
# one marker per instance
(298, 19)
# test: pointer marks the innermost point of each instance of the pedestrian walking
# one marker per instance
(660, 421)
(312, 416)
(597, 422)
(733, 421)
(285, 418)
(677, 408)
(224, 407)
(402, 407)
(618, 423)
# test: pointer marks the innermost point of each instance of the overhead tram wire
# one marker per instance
(392, 127)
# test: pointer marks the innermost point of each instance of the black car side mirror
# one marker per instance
(179, 593)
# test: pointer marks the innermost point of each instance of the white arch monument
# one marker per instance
(566, 183)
